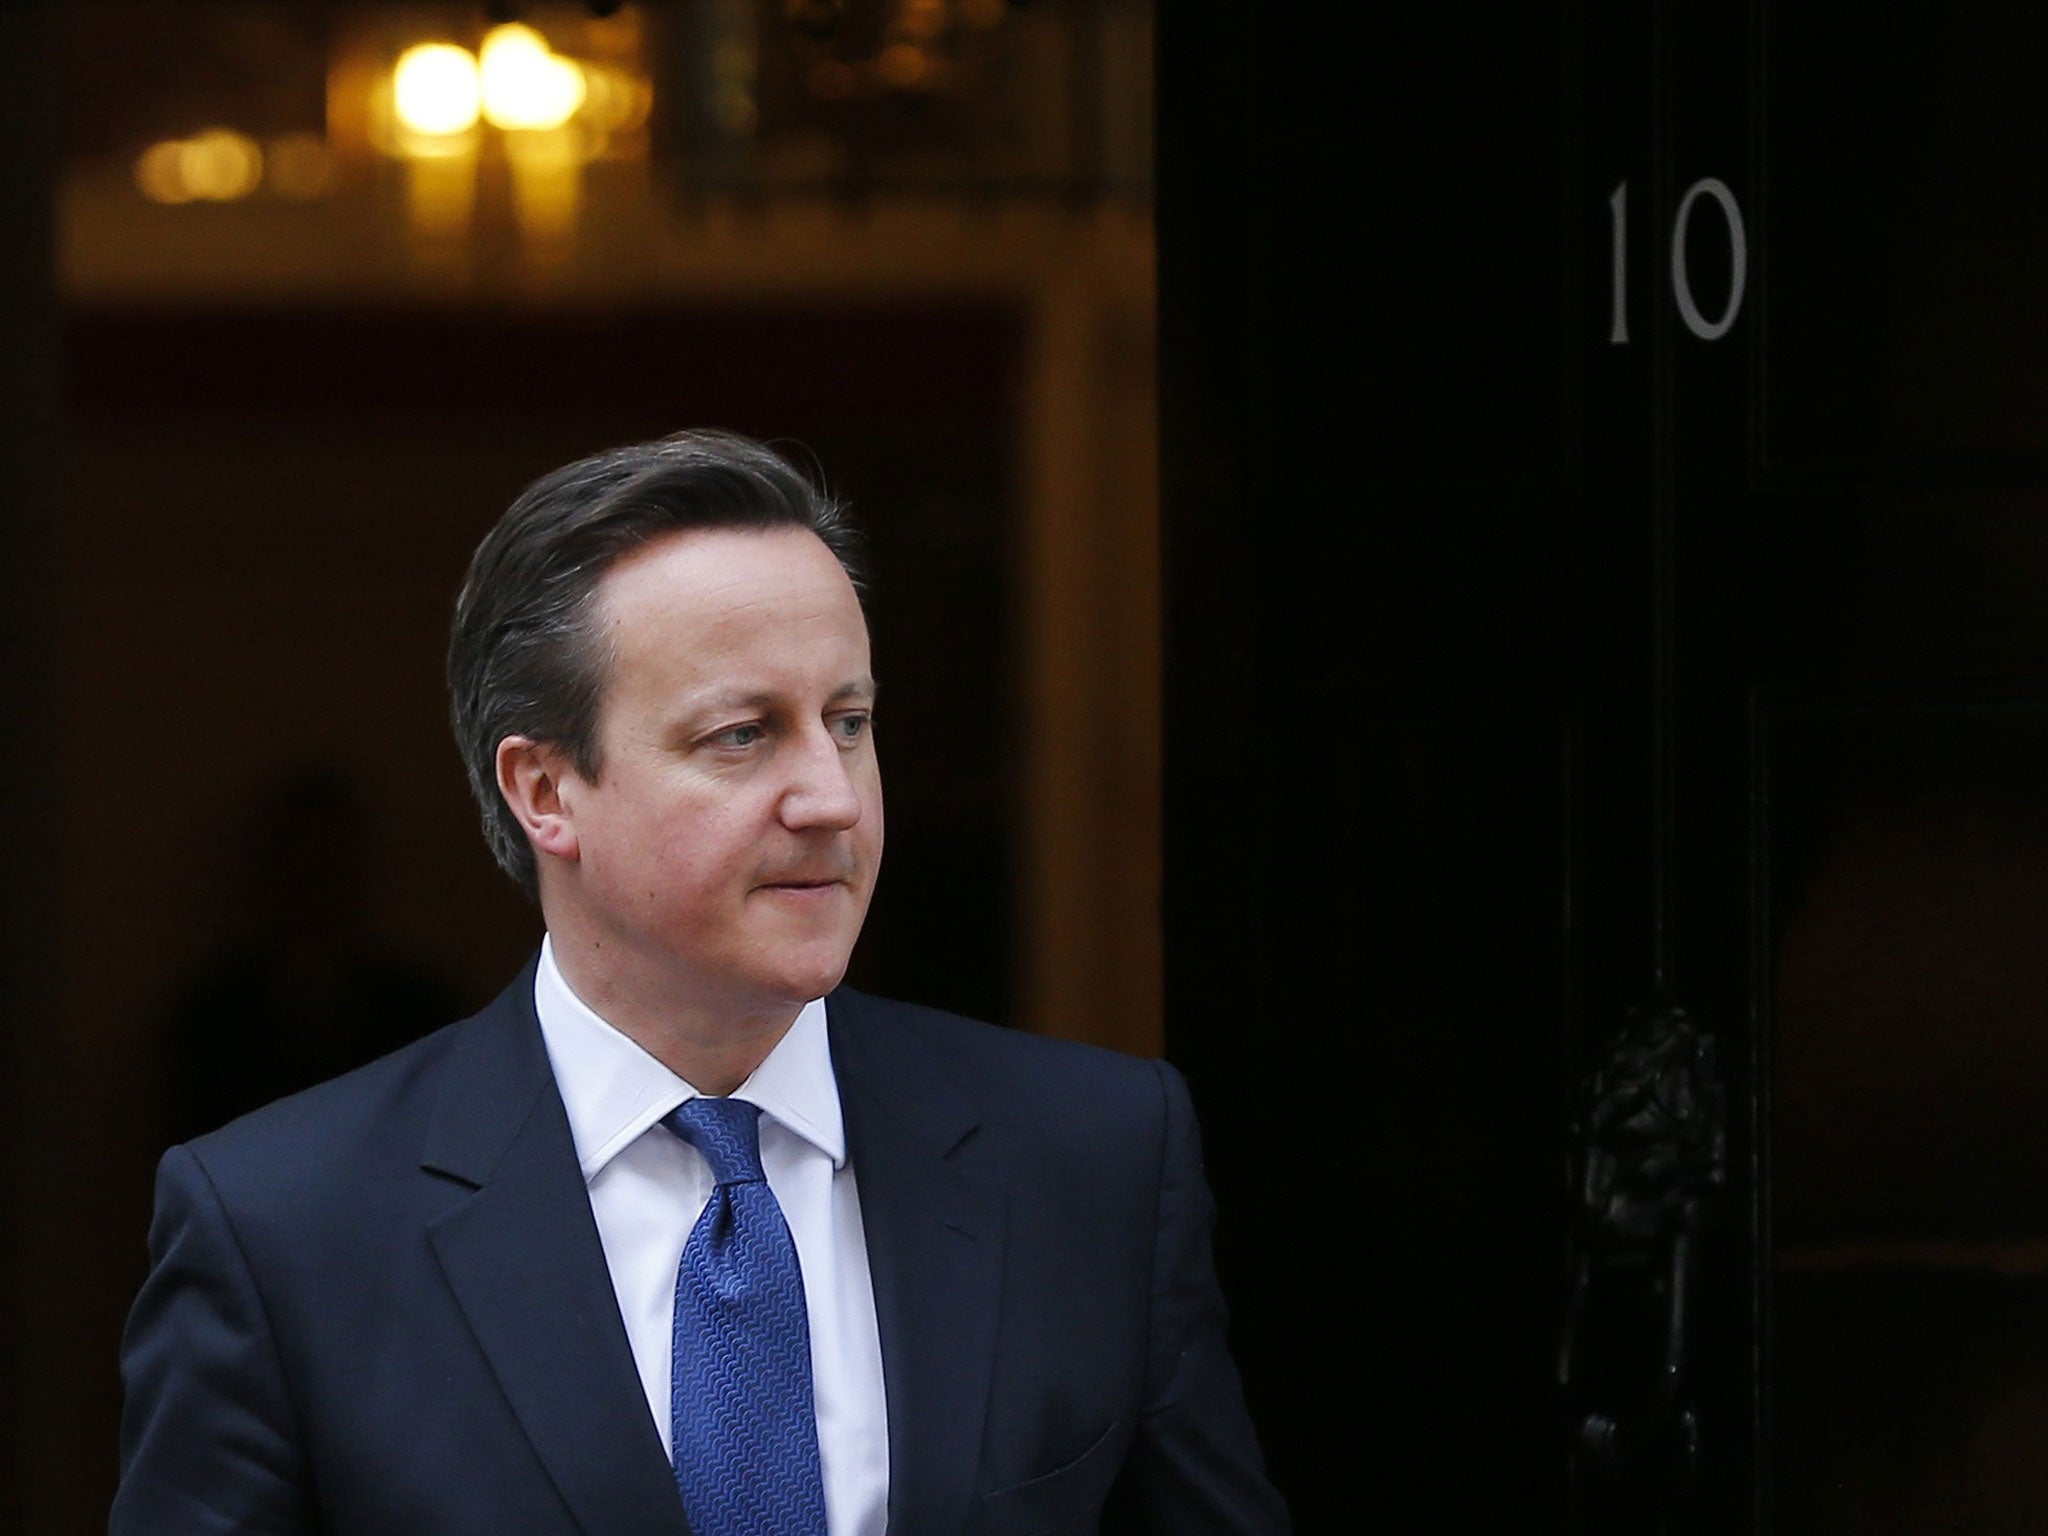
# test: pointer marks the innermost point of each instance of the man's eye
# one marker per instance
(850, 727)
(737, 735)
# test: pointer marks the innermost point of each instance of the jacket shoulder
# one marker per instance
(1008, 1073)
(367, 1124)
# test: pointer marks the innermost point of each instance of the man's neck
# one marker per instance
(713, 1048)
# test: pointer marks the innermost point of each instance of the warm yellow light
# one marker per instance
(157, 175)
(614, 99)
(217, 165)
(440, 200)
(436, 90)
(524, 85)
(547, 184)
(220, 165)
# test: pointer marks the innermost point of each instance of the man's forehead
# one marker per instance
(713, 572)
(735, 619)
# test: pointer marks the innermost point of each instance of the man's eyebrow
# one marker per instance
(853, 688)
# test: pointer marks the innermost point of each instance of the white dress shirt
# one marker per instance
(648, 1187)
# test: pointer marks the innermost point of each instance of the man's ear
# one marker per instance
(532, 776)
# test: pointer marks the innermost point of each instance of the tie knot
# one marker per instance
(727, 1132)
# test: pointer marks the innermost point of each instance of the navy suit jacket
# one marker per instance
(382, 1306)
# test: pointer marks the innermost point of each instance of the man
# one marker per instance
(679, 1234)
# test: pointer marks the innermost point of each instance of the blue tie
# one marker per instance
(744, 1424)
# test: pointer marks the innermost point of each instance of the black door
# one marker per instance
(1607, 777)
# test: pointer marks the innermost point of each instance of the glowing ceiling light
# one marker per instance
(614, 99)
(217, 166)
(435, 89)
(220, 165)
(524, 85)
(158, 175)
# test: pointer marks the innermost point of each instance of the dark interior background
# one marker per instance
(1541, 658)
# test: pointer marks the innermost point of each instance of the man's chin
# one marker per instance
(801, 979)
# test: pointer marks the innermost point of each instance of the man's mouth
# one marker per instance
(804, 882)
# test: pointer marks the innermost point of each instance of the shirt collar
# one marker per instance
(614, 1090)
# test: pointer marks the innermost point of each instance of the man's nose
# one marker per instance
(821, 791)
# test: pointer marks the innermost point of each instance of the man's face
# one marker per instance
(725, 854)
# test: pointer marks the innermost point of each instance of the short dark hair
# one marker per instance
(524, 657)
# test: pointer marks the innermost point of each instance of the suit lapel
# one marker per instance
(524, 1260)
(934, 1233)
